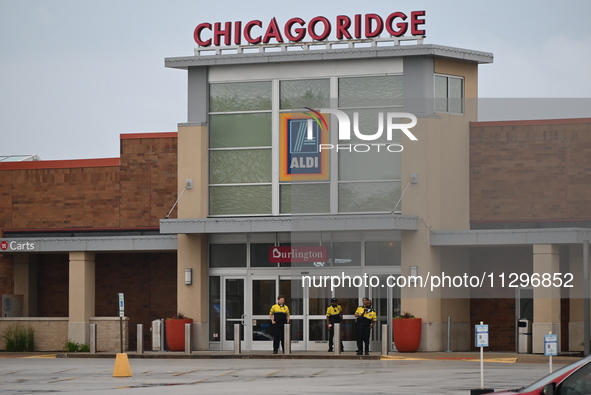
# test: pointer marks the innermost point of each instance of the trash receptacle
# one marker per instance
(524, 336)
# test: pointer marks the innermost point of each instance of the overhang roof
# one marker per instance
(509, 237)
(330, 54)
(92, 244)
(292, 223)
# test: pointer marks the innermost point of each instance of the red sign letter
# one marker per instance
(415, 21)
(368, 22)
(197, 34)
(249, 25)
(343, 24)
(300, 31)
(272, 31)
(313, 23)
(402, 26)
(218, 32)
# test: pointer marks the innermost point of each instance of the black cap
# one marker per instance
(333, 300)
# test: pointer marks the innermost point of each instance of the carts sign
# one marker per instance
(318, 28)
(16, 246)
(297, 254)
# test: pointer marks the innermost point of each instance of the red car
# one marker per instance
(573, 379)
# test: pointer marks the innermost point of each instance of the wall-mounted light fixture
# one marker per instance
(188, 276)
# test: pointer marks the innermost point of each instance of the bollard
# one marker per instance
(140, 338)
(162, 336)
(237, 343)
(287, 339)
(384, 339)
(93, 338)
(337, 339)
(187, 338)
(448, 334)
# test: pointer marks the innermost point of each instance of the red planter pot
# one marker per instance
(407, 333)
(175, 333)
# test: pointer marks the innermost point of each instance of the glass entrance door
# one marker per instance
(232, 311)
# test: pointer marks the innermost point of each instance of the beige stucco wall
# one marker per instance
(192, 249)
(441, 158)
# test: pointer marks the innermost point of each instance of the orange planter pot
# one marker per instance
(175, 333)
(407, 333)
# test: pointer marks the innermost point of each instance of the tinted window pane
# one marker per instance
(382, 253)
(371, 91)
(240, 96)
(305, 93)
(240, 166)
(369, 196)
(259, 255)
(236, 200)
(305, 198)
(240, 130)
(227, 255)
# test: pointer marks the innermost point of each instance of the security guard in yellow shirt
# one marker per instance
(359, 315)
(366, 318)
(279, 316)
(334, 315)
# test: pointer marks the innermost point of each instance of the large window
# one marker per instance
(246, 147)
(449, 94)
(240, 154)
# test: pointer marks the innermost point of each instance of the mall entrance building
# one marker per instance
(256, 180)
(294, 170)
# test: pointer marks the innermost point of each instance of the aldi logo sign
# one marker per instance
(301, 136)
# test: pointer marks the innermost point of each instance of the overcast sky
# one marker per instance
(76, 74)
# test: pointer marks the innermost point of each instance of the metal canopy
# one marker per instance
(92, 244)
(510, 237)
(289, 224)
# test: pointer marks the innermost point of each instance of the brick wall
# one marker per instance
(136, 194)
(6, 274)
(148, 181)
(53, 285)
(148, 282)
(499, 314)
(530, 172)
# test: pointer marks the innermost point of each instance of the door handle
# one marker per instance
(242, 318)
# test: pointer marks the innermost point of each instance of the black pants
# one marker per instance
(331, 338)
(363, 333)
(278, 336)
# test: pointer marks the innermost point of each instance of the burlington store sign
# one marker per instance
(319, 28)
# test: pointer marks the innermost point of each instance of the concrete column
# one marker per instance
(546, 300)
(192, 249)
(192, 299)
(82, 294)
(576, 294)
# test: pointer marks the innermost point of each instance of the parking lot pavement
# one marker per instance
(261, 376)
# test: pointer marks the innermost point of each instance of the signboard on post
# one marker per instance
(481, 336)
(121, 306)
(550, 345)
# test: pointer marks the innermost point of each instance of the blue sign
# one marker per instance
(481, 332)
(304, 154)
(121, 306)
(550, 345)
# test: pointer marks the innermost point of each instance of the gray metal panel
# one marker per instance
(332, 54)
(198, 95)
(419, 82)
(288, 224)
(112, 243)
(510, 237)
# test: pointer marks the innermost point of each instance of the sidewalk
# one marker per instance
(499, 357)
